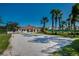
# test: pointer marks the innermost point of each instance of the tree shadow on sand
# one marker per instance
(60, 43)
(55, 47)
(46, 39)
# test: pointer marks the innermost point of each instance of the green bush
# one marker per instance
(69, 51)
(75, 45)
(46, 32)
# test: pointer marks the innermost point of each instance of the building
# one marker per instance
(30, 28)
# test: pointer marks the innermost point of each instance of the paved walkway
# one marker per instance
(34, 45)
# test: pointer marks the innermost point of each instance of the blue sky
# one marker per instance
(31, 14)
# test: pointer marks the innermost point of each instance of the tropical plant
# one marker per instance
(63, 25)
(69, 23)
(53, 19)
(60, 19)
(56, 14)
(44, 21)
(75, 13)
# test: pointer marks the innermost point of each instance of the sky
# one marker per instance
(31, 13)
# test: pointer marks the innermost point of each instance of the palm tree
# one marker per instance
(53, 19)
(55, 15)
(60, 17)
(75, 13)
(63, 25)
(44, 21)
(69, 23)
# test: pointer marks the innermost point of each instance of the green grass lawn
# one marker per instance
(4, 42)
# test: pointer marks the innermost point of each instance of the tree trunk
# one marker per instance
(71, 29)
(52, 25)
(59, 24)
(74, 30)
(62, 29)
(43, 26)
(55, 26)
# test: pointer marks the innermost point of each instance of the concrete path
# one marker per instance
(34, 45)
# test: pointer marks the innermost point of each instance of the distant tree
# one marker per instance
(12, 26)
(53, 18)
(63, 25)
(69, 23)
(56, 15)
(44, 21)
(60, 19)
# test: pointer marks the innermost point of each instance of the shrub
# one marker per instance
(46, 32)
(75, 45)
(69, 51)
